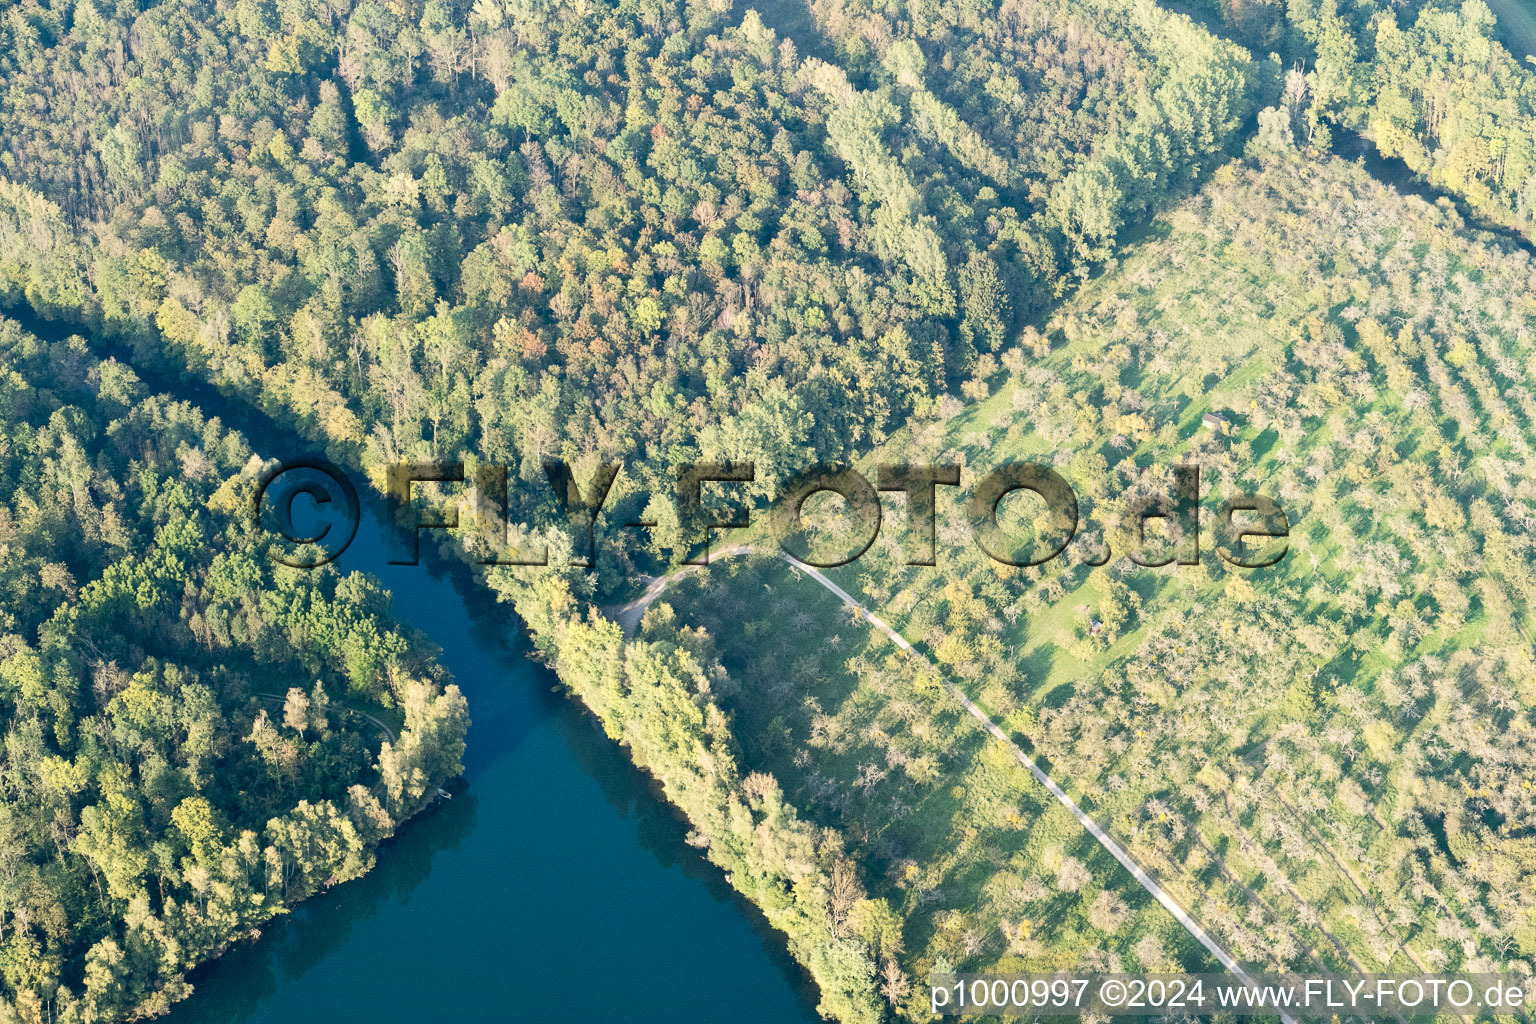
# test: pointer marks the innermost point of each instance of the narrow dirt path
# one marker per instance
(630, 614)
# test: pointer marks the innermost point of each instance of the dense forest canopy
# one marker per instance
(1329, 757)
(592, 230)
(1428, 81)
(183, 752)
(653, 231)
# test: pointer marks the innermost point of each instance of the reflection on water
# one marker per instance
(526, 885)
(1516, 26)
(234, 987)
(526, 882)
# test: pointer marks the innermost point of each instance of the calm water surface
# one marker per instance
(554, 887)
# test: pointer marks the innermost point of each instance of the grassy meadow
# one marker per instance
(1328, 761)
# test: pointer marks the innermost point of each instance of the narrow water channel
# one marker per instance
(555, 886)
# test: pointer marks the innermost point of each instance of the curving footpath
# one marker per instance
(629, 617)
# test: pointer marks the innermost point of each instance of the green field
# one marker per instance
(981, 867)
(1329, 761)
(559, 237)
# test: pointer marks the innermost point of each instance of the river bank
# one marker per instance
(1516, 25)
(556, 868)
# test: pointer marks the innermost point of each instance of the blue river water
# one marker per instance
(555, 886)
